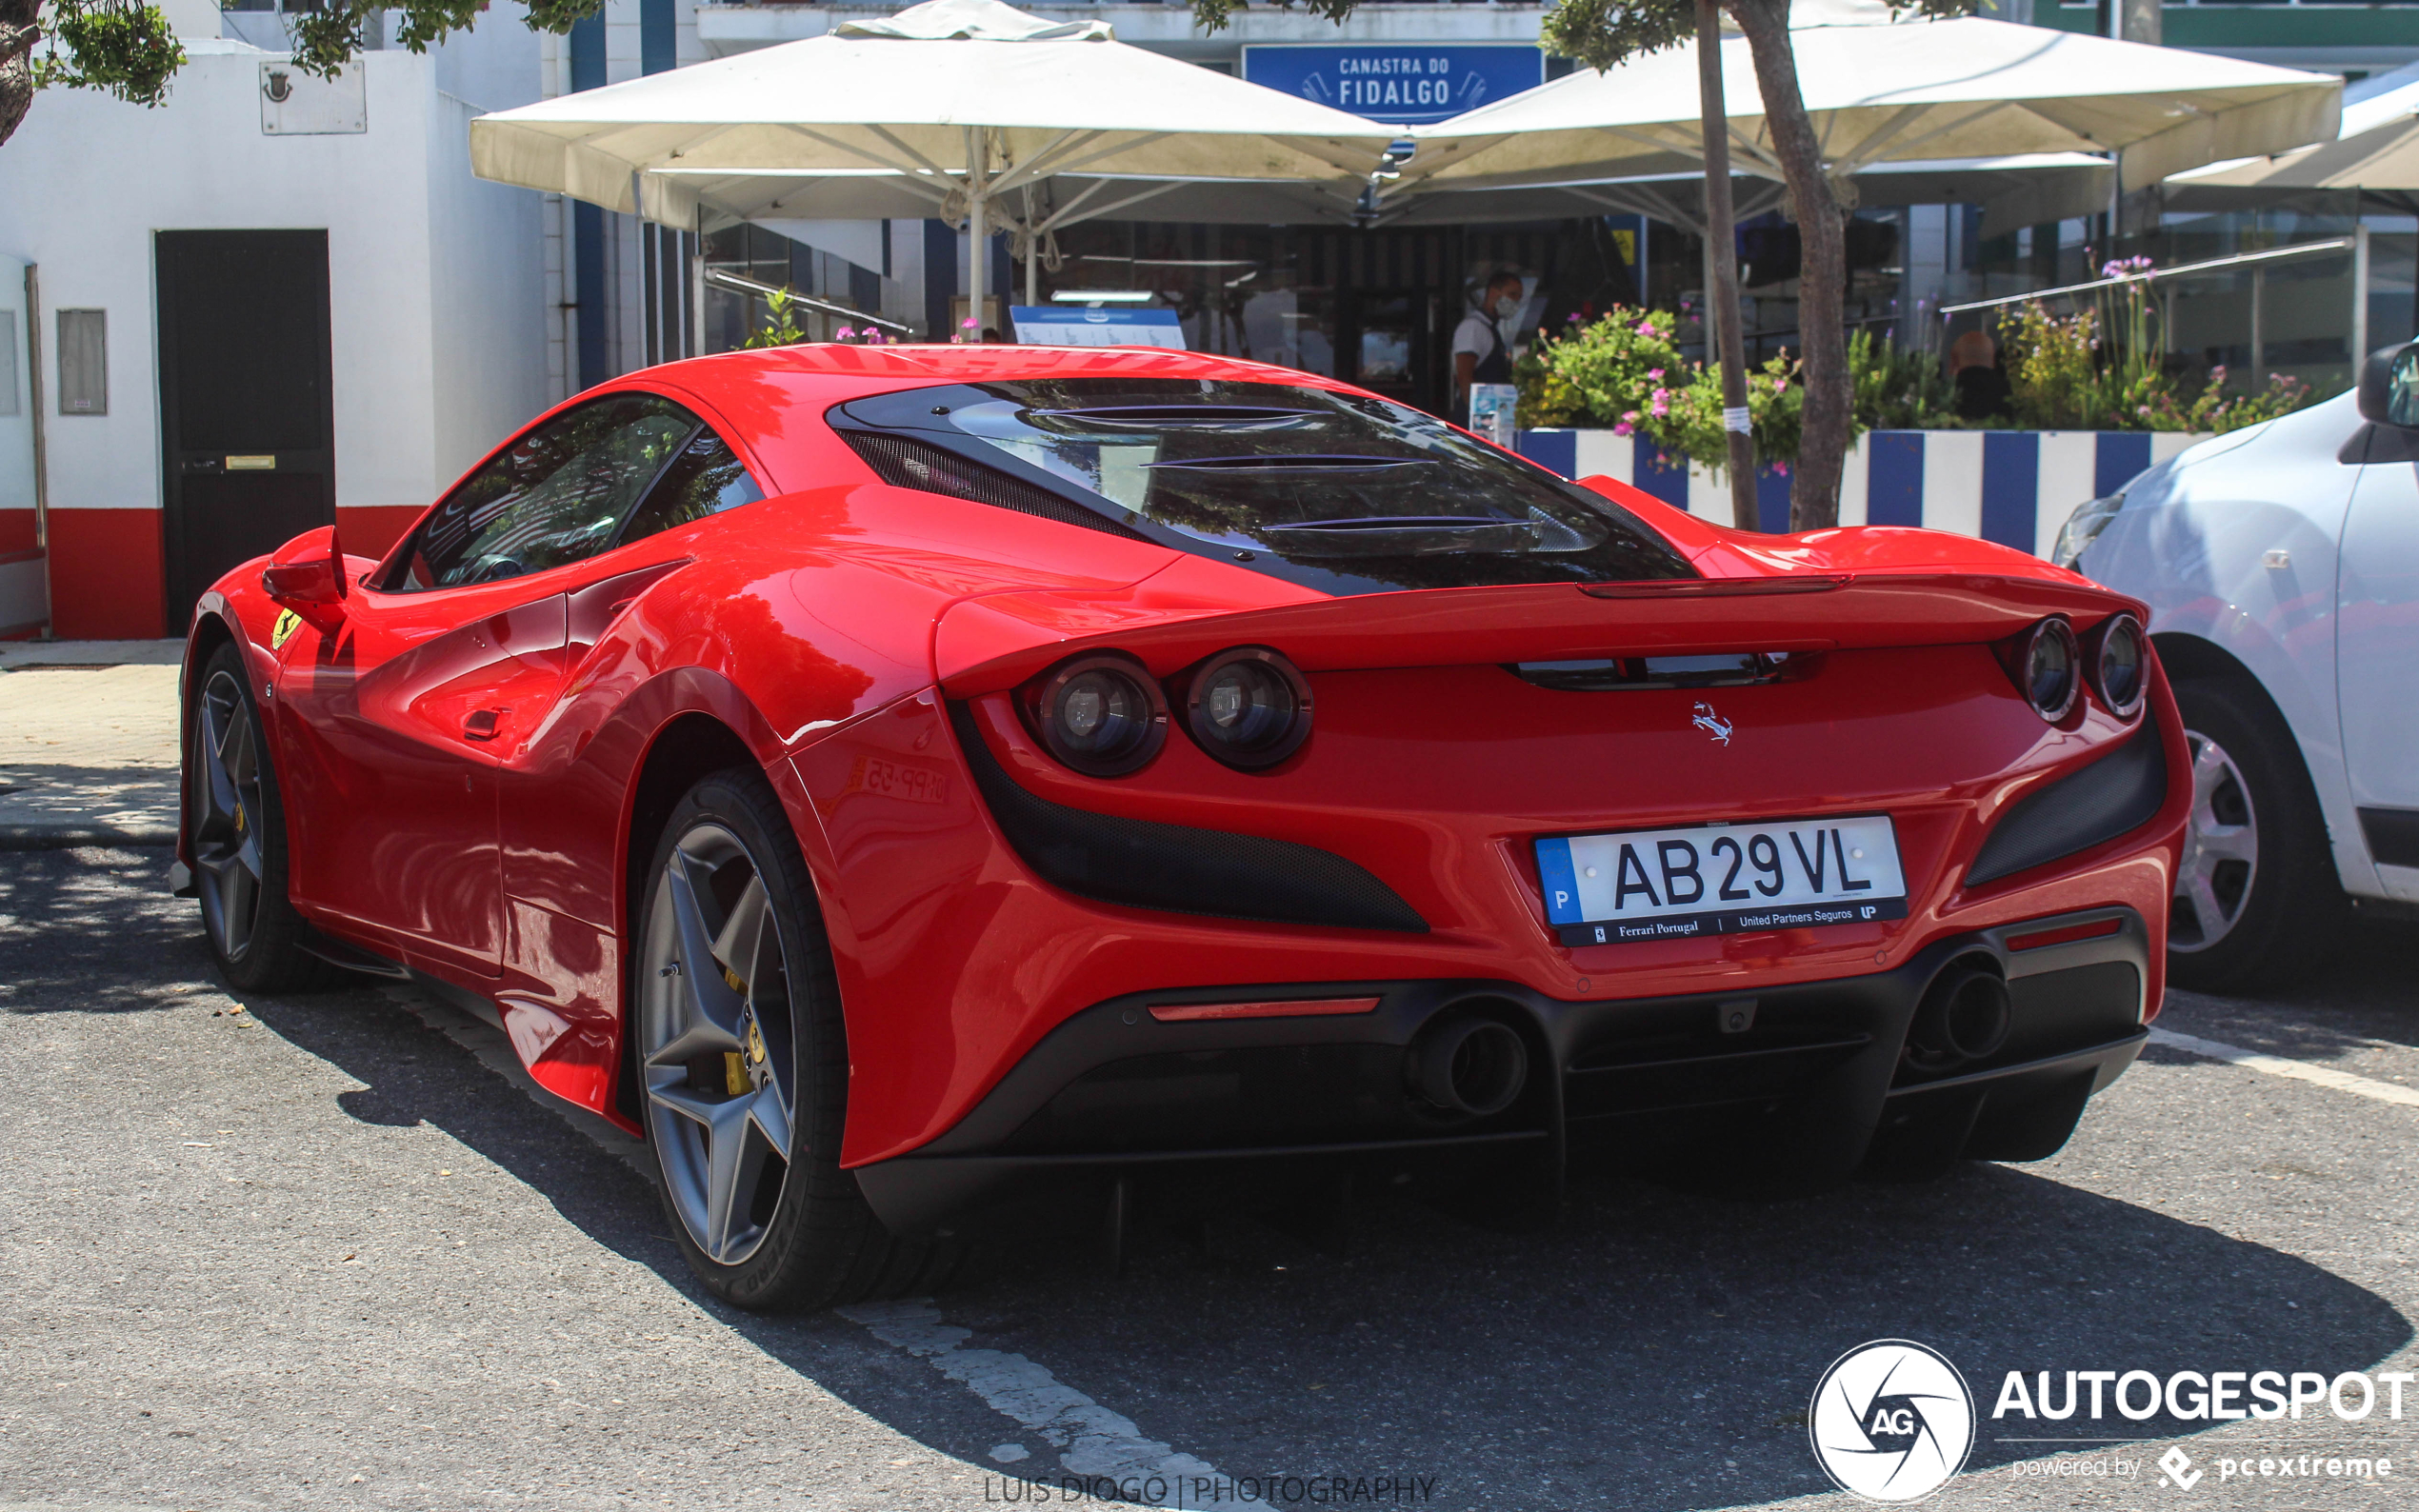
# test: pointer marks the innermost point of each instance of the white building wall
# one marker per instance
(436, 319)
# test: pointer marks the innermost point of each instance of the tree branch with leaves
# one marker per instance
(128, 50)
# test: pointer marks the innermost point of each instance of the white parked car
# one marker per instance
(2281, 565)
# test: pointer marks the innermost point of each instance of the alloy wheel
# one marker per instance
(2221, 851)
(227, 814)
(718, 1043)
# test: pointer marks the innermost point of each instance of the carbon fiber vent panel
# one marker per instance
(2120, 792)
(1142, 864)
(905, 462)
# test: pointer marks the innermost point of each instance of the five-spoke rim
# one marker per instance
(717, 1043)
(227, 816)
(2221, 851)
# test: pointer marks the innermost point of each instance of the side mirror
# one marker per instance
(2389, 387)
(307, 575)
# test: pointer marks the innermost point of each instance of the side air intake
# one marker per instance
(2121, 791)
(905, 462)
(1142, 864)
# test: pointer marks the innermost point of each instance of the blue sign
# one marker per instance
(1401, 84)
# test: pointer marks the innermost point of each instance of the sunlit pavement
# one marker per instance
(331, 1250)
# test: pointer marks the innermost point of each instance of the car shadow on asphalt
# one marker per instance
(1649, 1350)
(1652, 1349)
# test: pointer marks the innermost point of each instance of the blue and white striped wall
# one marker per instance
(2012, 486)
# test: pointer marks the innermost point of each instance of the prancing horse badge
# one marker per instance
(1712, 723)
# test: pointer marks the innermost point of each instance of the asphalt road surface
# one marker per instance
(332, 1250)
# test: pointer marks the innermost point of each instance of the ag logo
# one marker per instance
(1891, 1420)
(284, 629)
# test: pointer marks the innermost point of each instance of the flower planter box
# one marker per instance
(2012, 486)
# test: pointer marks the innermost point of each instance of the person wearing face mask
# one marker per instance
(1480, 355)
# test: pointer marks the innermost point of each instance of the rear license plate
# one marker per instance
(1721, 879)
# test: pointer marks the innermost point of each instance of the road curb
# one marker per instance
(69, 837)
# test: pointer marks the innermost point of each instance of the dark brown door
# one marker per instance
(246, 400)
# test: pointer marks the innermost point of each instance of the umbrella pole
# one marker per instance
(1721, 244)
(977, 180)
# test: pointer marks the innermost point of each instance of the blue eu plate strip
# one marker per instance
(1562, 883)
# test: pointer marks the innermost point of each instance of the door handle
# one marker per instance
(480, 723)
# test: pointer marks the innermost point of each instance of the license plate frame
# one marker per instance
(1854, 875)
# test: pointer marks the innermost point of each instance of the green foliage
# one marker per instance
(1623, 373)
(120, 46)
(2104, 367)
(1897, 391)
(781, 324)
(127, 48)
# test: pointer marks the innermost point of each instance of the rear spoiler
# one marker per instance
(996, 642)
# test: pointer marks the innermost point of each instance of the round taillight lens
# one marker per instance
(1249, 706)
(1101, 715)
(2120, 664)
(2051, 667)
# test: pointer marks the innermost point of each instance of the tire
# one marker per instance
(236, 832)
(743, 1066)
(2257, 901)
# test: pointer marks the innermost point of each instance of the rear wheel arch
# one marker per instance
(689, 748)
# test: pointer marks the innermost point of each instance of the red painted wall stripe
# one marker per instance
(107, 576)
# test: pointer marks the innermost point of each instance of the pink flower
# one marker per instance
(1624, 428)
(1631, 416)
(1645, 328)
(1782, 469)
(968, 324)
(2217, 374)
(1654, 375)
(844, 333)
(1780, 386)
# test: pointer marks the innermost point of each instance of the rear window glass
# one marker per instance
(1342, 492)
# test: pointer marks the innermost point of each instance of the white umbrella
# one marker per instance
(2376, 148)
(2012, 192)
(1881, 91)
(952, 103)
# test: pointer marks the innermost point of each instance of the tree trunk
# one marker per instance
(19, 35)
(1722, 331)
(1822, 280)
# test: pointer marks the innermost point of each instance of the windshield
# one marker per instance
(1341, 491)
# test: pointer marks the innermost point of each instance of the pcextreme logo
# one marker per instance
(1891, 1420)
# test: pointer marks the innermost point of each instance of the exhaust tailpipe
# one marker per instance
(1965, 1016)
(1469, 1065)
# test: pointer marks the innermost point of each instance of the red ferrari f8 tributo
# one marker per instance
(891, 780)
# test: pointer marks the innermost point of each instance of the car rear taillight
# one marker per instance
(2048, 666)
(1248, 706)
(2120, 662)
(1101, 714)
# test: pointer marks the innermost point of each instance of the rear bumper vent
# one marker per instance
(2121, 791)
(1141, 863)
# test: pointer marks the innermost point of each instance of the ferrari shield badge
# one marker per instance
(283, 632)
